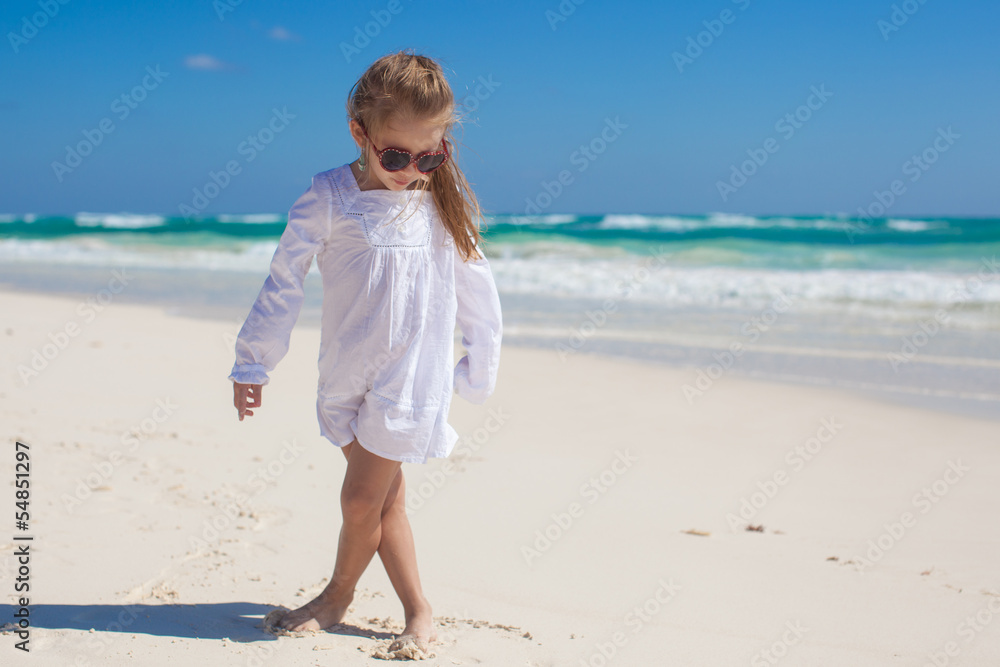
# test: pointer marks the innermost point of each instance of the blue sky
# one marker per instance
(558, 79)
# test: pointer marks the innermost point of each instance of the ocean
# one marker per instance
(905, 308)
(713, 260)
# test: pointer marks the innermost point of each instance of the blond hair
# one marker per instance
(409, 86)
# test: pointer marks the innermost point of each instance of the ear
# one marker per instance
(357, 133)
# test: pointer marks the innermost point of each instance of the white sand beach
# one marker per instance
(591, 515)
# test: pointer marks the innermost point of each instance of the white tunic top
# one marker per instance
(394, 286)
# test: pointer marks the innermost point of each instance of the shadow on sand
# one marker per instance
(237, 621)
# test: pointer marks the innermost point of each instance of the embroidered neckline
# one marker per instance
(404, 198)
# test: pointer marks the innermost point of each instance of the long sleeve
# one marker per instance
(263, 340)
(480, 321)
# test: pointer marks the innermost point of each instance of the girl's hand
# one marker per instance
(241, 394)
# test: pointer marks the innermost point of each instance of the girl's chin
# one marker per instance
(401, 184)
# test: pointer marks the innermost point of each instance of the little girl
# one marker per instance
(396, 238)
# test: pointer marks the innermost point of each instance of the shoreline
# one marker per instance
(956, 371)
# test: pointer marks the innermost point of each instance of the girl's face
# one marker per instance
(413, 136)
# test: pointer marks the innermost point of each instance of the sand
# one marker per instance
(591, 515)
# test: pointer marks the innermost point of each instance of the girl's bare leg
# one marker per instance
(366, 487)
(398, 554)
(399, 557)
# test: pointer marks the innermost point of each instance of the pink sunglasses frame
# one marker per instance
(413, 159)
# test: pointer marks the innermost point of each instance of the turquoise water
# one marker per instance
(673, 289)
(714, 260)
(775, 242)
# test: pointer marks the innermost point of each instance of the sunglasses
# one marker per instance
(396, 159)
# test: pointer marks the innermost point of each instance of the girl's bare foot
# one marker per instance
(320, 613)
(419, 631)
